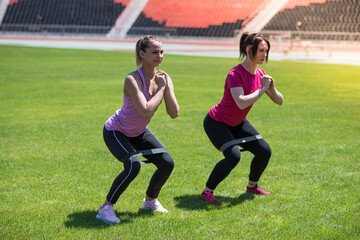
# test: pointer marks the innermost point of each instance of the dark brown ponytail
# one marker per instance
(252, 41)
(242, 46)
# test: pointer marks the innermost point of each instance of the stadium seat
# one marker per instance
(80, 16)
(216, 18)
(195, 18)
(326, 16)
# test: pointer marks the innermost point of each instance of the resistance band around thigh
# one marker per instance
(144, 153)
(239, 141)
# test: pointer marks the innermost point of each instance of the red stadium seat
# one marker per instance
(199, 13)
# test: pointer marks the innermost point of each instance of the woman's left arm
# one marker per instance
(274, 94)
(172, 106)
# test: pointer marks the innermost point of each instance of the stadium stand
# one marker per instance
(318, 19)
(216, 18)
(305, 19)
(62, 16)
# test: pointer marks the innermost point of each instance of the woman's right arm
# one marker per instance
(244, 101)
(146, 108)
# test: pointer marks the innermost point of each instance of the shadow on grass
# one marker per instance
(193, 202)
(87, 219)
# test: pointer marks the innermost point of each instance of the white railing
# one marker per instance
(314, 35)
(170, 32)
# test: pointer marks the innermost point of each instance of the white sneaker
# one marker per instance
(154, 205)
(107, 214)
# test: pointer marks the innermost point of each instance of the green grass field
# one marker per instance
(55, 170)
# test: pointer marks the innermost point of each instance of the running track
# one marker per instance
(331, 53)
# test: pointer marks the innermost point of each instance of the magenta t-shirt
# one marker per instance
(127, 119)
(226, 110)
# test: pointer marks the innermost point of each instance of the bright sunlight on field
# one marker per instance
(55, 169)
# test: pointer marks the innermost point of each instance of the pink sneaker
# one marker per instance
(208, 196)
(257, 190)
(154, 205)
(107, 214)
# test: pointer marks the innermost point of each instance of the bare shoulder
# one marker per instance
(133, 76)
(132, 82)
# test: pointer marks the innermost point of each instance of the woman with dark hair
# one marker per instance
(126, 130)
(226, 122)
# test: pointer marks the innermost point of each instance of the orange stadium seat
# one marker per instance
(215, 18)
(123, 2)
(195, 18)
(294, 3)
(199, 13)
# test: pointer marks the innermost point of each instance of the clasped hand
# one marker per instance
(267, 82)
(160, 79)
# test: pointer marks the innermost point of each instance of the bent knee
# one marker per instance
(264, 153)
(134, 168)
(232, 156)
(167, 163)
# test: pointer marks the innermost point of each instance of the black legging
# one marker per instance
(119, 145)
(220, 133)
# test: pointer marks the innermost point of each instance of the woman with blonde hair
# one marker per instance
(126, 131)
